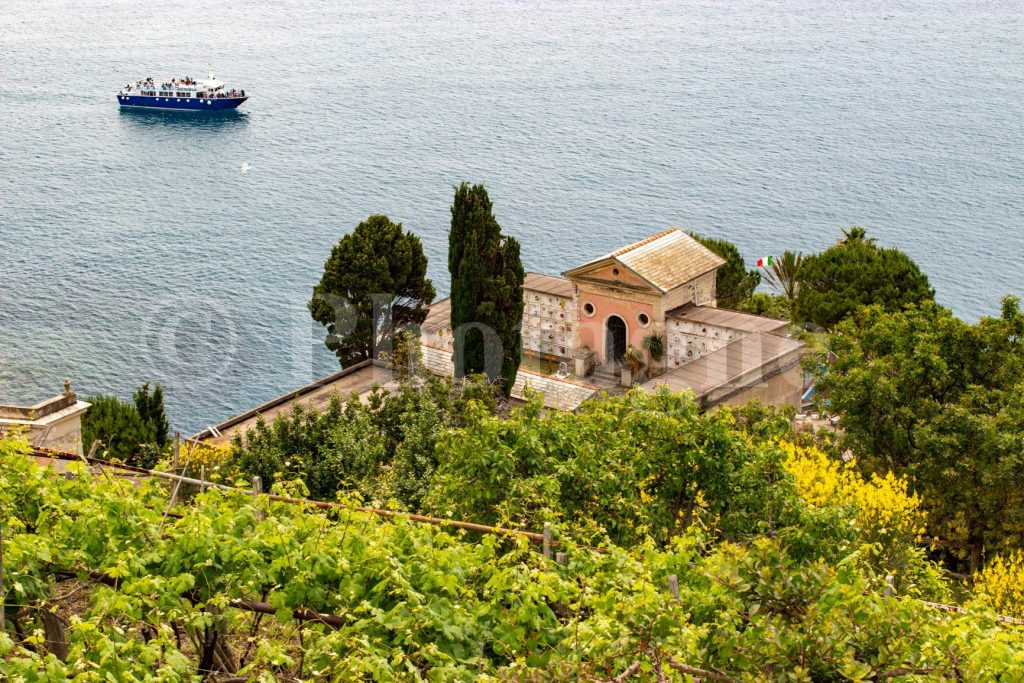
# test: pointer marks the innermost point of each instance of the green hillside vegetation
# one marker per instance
(781, 555)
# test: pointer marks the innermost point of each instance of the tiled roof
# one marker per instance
(646, 240)
(666, 260)
(548, 284)
(733, 320)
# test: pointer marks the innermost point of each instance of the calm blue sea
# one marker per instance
(134, 248)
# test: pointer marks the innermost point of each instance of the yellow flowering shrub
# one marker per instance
(215, 459)
(885, 511)
(1002, 582)
(818, 478)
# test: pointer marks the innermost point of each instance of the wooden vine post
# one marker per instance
(54, 632)
(547, 540)
(257, 491)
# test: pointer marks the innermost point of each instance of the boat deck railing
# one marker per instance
(195, 92)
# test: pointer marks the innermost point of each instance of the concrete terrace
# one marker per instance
(752, 366)
(359, 379)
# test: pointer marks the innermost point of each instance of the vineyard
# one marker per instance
(104, 580)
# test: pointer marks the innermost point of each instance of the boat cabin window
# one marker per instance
(183, 94)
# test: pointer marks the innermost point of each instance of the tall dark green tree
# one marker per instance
(734, 284)
(151, 409)
(856, 272)
(487, 290)
(374, 283)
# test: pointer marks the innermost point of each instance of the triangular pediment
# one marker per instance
(611, 272)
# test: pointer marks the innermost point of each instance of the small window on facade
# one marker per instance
(615, 272)
(644, 319)
(588, 308)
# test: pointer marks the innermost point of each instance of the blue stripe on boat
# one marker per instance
(180, 103)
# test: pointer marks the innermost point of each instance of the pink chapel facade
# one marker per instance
(576, 330)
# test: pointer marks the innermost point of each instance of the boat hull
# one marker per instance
(180, 103)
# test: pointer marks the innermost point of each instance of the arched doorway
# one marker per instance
(614, 340)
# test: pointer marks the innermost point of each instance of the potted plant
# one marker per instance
(655, 345)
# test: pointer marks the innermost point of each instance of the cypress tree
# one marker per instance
(487, 290)
(151, 409)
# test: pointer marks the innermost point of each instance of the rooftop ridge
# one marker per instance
(690, 305)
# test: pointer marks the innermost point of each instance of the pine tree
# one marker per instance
(487, 290)
(374, 283)
(856, 272)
